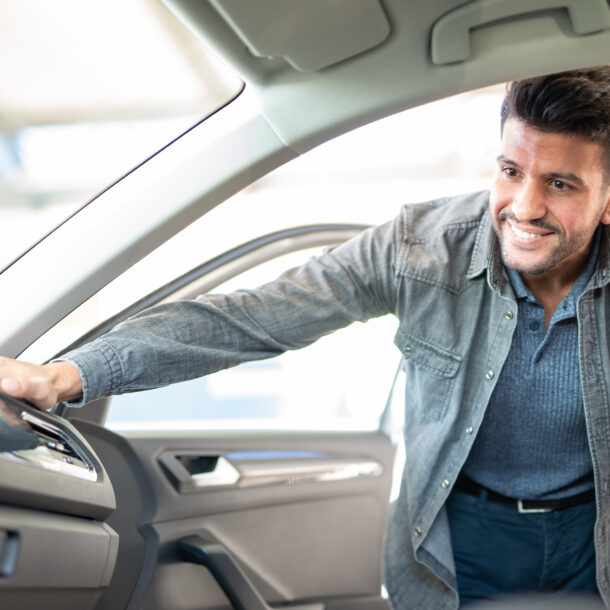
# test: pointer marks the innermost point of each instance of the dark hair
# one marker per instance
(576, 102)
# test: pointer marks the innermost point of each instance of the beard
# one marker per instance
(562, 249)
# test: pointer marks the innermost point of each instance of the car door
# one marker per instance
(249, 502)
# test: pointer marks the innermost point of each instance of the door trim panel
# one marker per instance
(193, 471)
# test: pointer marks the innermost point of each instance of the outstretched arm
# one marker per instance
(177, 341)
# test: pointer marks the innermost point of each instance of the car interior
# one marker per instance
(184, 517)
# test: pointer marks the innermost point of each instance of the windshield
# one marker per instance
(91, 90)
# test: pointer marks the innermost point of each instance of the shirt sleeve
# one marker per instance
(182, 340)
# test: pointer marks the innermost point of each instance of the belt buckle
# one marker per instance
(525, 511)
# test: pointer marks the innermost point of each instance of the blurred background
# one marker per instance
(88, 90)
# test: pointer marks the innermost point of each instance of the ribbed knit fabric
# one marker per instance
(533, 440)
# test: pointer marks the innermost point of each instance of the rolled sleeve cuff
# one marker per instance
(99, 369)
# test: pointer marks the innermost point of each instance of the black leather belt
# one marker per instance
(468, 486)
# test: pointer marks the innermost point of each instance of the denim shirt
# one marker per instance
(437, 267)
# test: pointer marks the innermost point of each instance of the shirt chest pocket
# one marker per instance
(430, 376)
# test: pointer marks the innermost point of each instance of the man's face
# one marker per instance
(547, 198)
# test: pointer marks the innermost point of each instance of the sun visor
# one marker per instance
(286, 29)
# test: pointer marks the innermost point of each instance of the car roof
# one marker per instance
(324, 67)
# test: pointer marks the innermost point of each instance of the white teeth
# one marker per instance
(524, 234)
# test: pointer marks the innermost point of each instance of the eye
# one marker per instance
(560, 185)
(508, 171)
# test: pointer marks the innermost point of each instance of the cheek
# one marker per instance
(573, 222)
(498, 199)
(500, 188)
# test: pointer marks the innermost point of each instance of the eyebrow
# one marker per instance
(567, 176)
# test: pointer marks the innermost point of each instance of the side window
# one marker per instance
(339, 383)
(362, 177)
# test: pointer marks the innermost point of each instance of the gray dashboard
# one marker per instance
(55, 549)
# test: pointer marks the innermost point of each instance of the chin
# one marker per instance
(530, 267)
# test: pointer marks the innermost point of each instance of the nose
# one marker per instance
(528, 201)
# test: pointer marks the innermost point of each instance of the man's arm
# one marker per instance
(173, 342)
(42, 385)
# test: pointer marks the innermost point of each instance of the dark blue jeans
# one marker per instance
(500, 552)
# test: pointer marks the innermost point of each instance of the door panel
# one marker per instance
(304, 521)
(295, 518)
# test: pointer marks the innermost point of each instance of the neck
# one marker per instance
(552, 286)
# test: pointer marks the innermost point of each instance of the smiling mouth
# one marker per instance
(526, 235)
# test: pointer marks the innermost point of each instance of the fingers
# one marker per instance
(27, 381)
(39, 391)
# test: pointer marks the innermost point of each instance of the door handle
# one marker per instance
(216, 558)
(451, 33)
(191, 471)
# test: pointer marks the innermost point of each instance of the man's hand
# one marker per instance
(42, 385)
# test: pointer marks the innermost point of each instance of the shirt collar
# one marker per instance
(486, 256)
(483, 246)
(602, 273)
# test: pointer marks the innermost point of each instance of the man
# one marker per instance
(503, 300)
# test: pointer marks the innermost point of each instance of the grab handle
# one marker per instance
(451, 33)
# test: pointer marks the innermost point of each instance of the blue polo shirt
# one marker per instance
(533, 440)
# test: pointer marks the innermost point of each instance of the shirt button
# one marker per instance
(534, 326)
(445, 483)
(408, 351)
(489, 374)
(417, 531)
(469, 430)
(509, 315)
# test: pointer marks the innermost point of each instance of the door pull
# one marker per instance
(216, 558)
